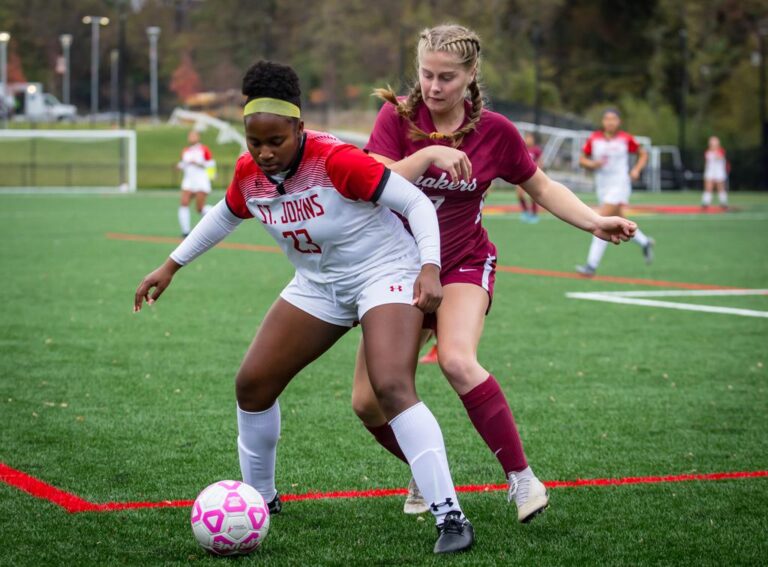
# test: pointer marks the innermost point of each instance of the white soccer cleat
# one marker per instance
(648, 251)
(414, 502)
(529, 494)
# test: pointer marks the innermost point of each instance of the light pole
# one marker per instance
(762, 39)
(5, 37)
(66, 43)
(95, 22)
(153, 33)
(114, 69)
(536, 41)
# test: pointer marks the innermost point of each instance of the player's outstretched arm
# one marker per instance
(212, 229)
(158, 280)
(455, 162)
(562, 203)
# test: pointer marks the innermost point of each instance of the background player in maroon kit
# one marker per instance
(530, 212)
(327, 205)
(452, 149)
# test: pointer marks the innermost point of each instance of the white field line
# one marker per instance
(686, 292)
(628, 298)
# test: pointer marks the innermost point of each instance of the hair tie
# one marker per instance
(438, 136)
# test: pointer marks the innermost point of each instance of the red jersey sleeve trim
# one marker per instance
(632, 145)
(206, 153)
(234, 197)
(355, 174)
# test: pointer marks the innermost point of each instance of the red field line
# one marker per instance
(45, 491)
(74, 504)
(510, 269)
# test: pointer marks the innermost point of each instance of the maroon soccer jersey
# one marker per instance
(495, 149)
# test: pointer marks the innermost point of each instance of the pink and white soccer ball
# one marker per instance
(230, 518)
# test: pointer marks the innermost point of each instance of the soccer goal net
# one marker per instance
(68, 160)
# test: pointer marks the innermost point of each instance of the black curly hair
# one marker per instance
(272, 80)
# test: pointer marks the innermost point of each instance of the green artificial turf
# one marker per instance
(116, 406)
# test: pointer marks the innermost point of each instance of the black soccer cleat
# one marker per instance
(454, 534)
(275, 506)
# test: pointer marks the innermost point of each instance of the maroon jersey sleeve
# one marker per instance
(515, 163)
(234, 197)
(386, 137)
(355, 174)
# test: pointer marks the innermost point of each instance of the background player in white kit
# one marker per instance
(606, 152)
(195, 161)
(715, 173)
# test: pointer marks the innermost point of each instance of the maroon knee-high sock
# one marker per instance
(386, 438)
(490, 414)
(523, 204)
(534, 207)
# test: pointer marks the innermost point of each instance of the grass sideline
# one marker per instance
(117, 407)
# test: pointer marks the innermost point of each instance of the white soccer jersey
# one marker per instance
(195, 160)
(716, 168)
(612, 152)
(323, 214)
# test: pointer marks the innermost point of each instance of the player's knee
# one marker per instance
(250, 396)
(395, 396)
(366, 407)
(456, 366)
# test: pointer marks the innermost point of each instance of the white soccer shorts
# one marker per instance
(345, 306)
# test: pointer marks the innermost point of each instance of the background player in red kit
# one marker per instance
(195, 161)
(530, 212)
(607, 153)
(452, 149)
(327, 205)
(715, 173)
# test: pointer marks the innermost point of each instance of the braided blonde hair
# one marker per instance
(465, 45)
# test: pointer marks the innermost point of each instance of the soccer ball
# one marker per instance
(230, 518)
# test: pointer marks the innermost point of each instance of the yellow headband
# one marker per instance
(273, 106)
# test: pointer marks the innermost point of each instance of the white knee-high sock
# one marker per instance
(706, 198)
(257, 446)
(184, 220)
(596, 251)
(640, 238)
(205, 209)
(722, 196)
(421, 440)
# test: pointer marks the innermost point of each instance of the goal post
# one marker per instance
(68, 160)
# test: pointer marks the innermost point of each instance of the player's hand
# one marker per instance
(427, 290)
(615, 229)
(634, 175)
(158, 280)
(453, 161)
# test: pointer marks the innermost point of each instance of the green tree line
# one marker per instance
(592, 53)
